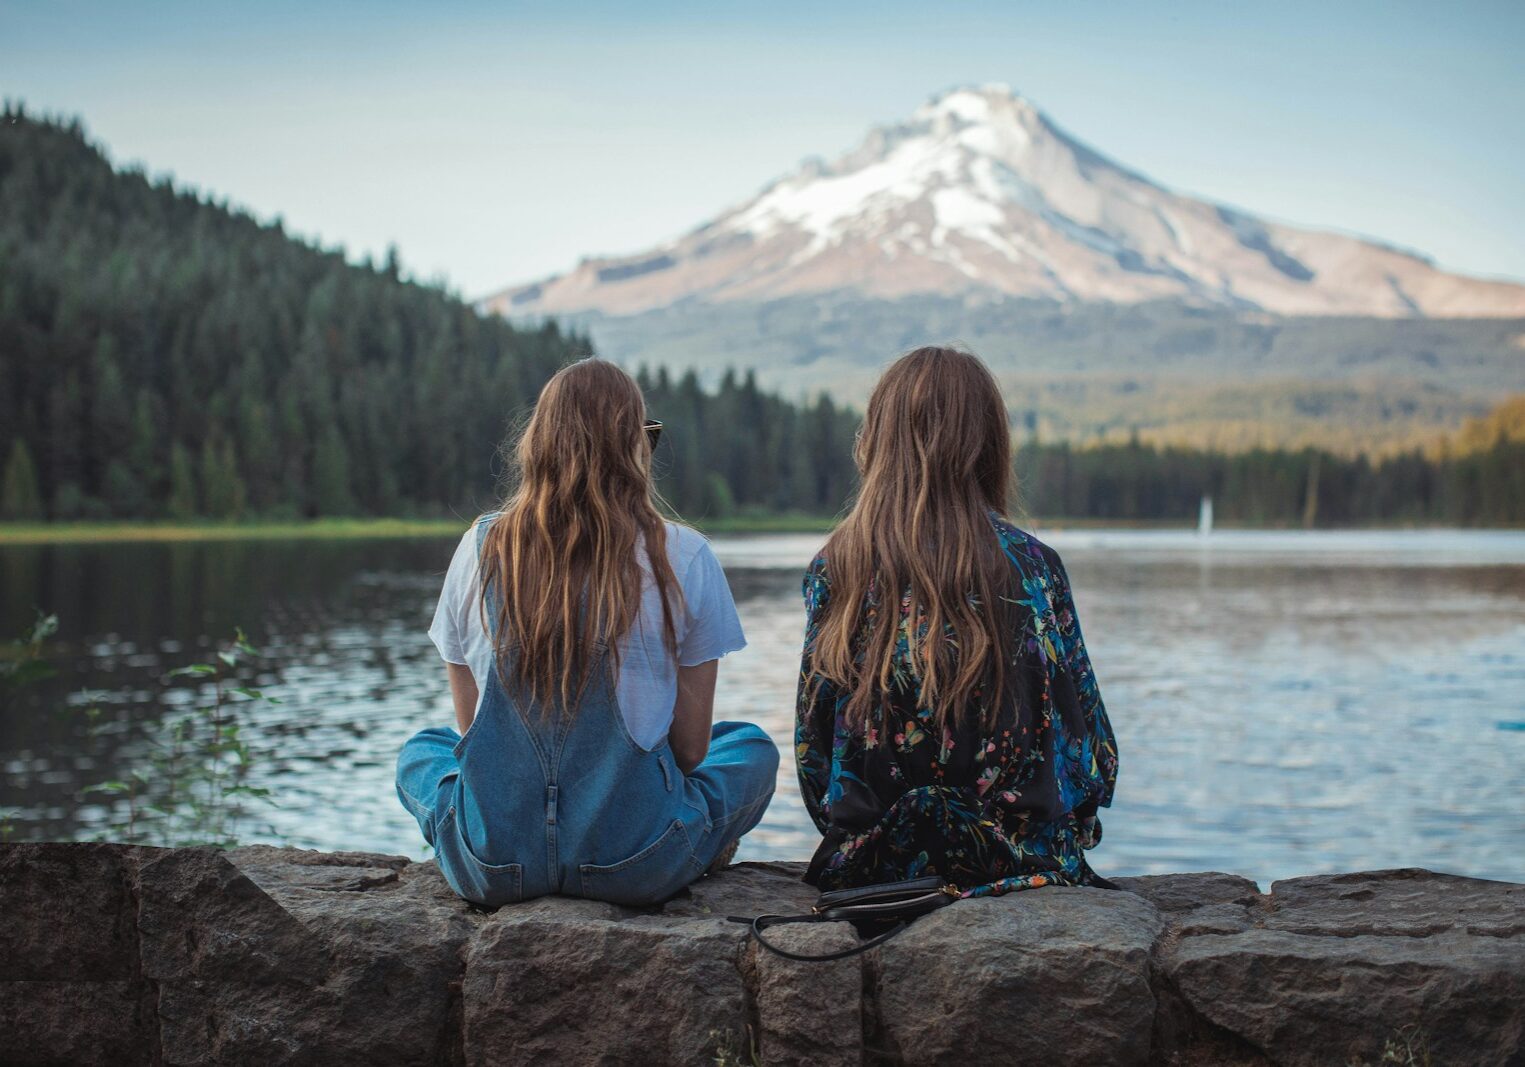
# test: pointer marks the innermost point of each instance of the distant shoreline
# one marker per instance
(125, 531)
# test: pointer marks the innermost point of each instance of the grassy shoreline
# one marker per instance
(122, 531)
(317, 529)
(104, 532)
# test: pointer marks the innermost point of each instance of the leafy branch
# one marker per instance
(21, 661)
(193, 785)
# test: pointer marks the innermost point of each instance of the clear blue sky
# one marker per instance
(495, 143)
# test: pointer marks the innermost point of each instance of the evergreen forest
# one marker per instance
(163, 356)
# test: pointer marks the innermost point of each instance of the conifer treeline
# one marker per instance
(1127, 482)
(741, 449)
(162, 356)
(166, 357)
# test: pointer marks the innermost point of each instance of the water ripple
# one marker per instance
(1284, 703)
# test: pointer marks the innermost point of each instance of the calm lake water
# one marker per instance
(1285, 703)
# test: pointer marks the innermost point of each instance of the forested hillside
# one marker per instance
(1211, 378)
(164, 356)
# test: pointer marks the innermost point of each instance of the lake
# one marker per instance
(1285, 703)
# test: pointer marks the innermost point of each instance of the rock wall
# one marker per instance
(111, 954)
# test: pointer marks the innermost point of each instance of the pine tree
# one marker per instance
(19, 498)
(63, 455)
(330, 475)
(123, 491)
(718, 501)
(111, 414)
(183, 501)
(143, 457)
(222, 488)
(262, 454)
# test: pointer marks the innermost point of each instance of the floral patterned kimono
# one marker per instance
(1011, 807)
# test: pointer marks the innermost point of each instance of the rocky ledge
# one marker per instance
(114, 955)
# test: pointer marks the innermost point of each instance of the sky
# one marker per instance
(497, 143)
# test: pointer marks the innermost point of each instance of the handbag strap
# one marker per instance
(762, 922)
(850, 910)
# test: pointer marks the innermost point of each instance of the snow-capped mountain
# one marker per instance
(979, 192)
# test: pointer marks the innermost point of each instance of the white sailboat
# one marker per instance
(1205, 517)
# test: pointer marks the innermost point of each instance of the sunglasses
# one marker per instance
(653, 430)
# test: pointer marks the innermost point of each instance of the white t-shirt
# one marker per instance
(647, 686)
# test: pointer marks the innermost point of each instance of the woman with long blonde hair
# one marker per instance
(948, 719)
(582, 635)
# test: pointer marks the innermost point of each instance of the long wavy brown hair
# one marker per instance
(934, 458)
(561, 559)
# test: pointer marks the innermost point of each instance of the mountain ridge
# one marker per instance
(980, 193)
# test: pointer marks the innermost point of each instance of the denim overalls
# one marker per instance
(530, 803)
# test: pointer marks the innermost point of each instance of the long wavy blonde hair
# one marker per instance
(561, 560)
(934, 457)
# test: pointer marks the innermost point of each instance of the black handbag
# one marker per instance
(893, 902)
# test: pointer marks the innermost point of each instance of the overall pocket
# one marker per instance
(650, 876)
(488, 884)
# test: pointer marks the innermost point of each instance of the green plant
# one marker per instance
(21, 662)
(1409, 1046)
(736, 1050)
(193, 786)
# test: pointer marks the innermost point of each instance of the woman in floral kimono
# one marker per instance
(948, 719)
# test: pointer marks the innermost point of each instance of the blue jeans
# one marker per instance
(528, 804)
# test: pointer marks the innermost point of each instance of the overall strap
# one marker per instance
(490, 595)
(547, 749)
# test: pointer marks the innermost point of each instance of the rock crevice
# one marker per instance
(119, 954)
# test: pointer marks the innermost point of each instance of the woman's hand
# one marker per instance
(692, 715)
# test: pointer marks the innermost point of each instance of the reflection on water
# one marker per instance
(1284, 703)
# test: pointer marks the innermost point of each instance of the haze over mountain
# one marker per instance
(980, 194)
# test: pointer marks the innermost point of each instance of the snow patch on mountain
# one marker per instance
(978, 191)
